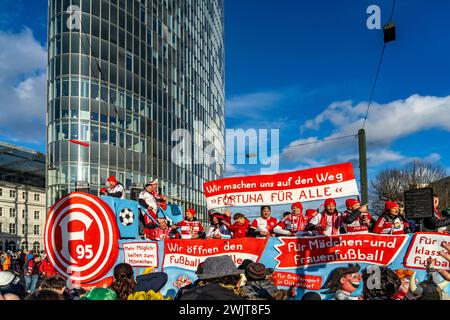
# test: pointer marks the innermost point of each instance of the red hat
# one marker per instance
(298, 205)
(111, 179)
(103, 190)
(192, 211)
(310, 212)
(388, 205)
(351, 202)
(330, 201)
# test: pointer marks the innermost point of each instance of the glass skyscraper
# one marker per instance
(122, 76)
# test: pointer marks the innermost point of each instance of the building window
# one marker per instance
(1, 230)
(1, 212)
(36, 230)
(1, 192)
(24, 195)
(36, 197)
(24, 212)
(36, 247)
(12, 193)
(129, 62)
(12, 228)
(12, 212)
(36, 215)
(24, 230)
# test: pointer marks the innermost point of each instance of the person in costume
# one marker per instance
(329, 222)
(440, 221)
(190, 227)
(218, 229)
(162, 231)
(240, 227)
(404, 275)
(391, 221)
(356, 218)
(114, 188)
(293, 223)
(263, 226)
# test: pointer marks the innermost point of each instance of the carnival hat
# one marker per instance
(217, 267)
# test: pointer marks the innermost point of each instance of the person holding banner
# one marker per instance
(190, 227)
(356, 218)
(391, 221)
(264, 225)
(293, 223)
(329, 222)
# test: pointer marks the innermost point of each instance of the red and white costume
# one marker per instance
(260, 224)
(387, 225)
(291, 224)
(356, 226)
(330, 223)
(188, 229)
(160, 234)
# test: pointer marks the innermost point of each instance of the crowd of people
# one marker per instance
(51, 286)
(29, 275)
(356, 219)
(218, 278)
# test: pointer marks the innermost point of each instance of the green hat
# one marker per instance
(100, 294)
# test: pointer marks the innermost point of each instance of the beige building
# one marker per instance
(22, 216)
(22, 198)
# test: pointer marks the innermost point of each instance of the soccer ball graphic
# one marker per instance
(126, 217)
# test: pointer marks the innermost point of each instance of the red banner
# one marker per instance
(311, 251)
(188, 254)
(334, 181)
(289, 279)
(425, 245)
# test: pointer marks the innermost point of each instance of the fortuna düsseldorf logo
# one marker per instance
(81, 237)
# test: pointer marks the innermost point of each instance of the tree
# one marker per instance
(421, 173)
(390, 184)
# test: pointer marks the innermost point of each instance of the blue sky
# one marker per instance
(303, 67)
(310, 55)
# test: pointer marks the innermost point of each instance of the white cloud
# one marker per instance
(262, 107)
(251, 104)
(22, 87)
(386, 124)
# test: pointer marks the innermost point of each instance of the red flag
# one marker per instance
(84, 144)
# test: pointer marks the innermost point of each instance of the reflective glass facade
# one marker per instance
(133, 72)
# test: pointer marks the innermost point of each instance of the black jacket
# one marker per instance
(210, 291)
(434, 222)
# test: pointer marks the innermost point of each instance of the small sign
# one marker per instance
(141, 254)
(419, 203)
